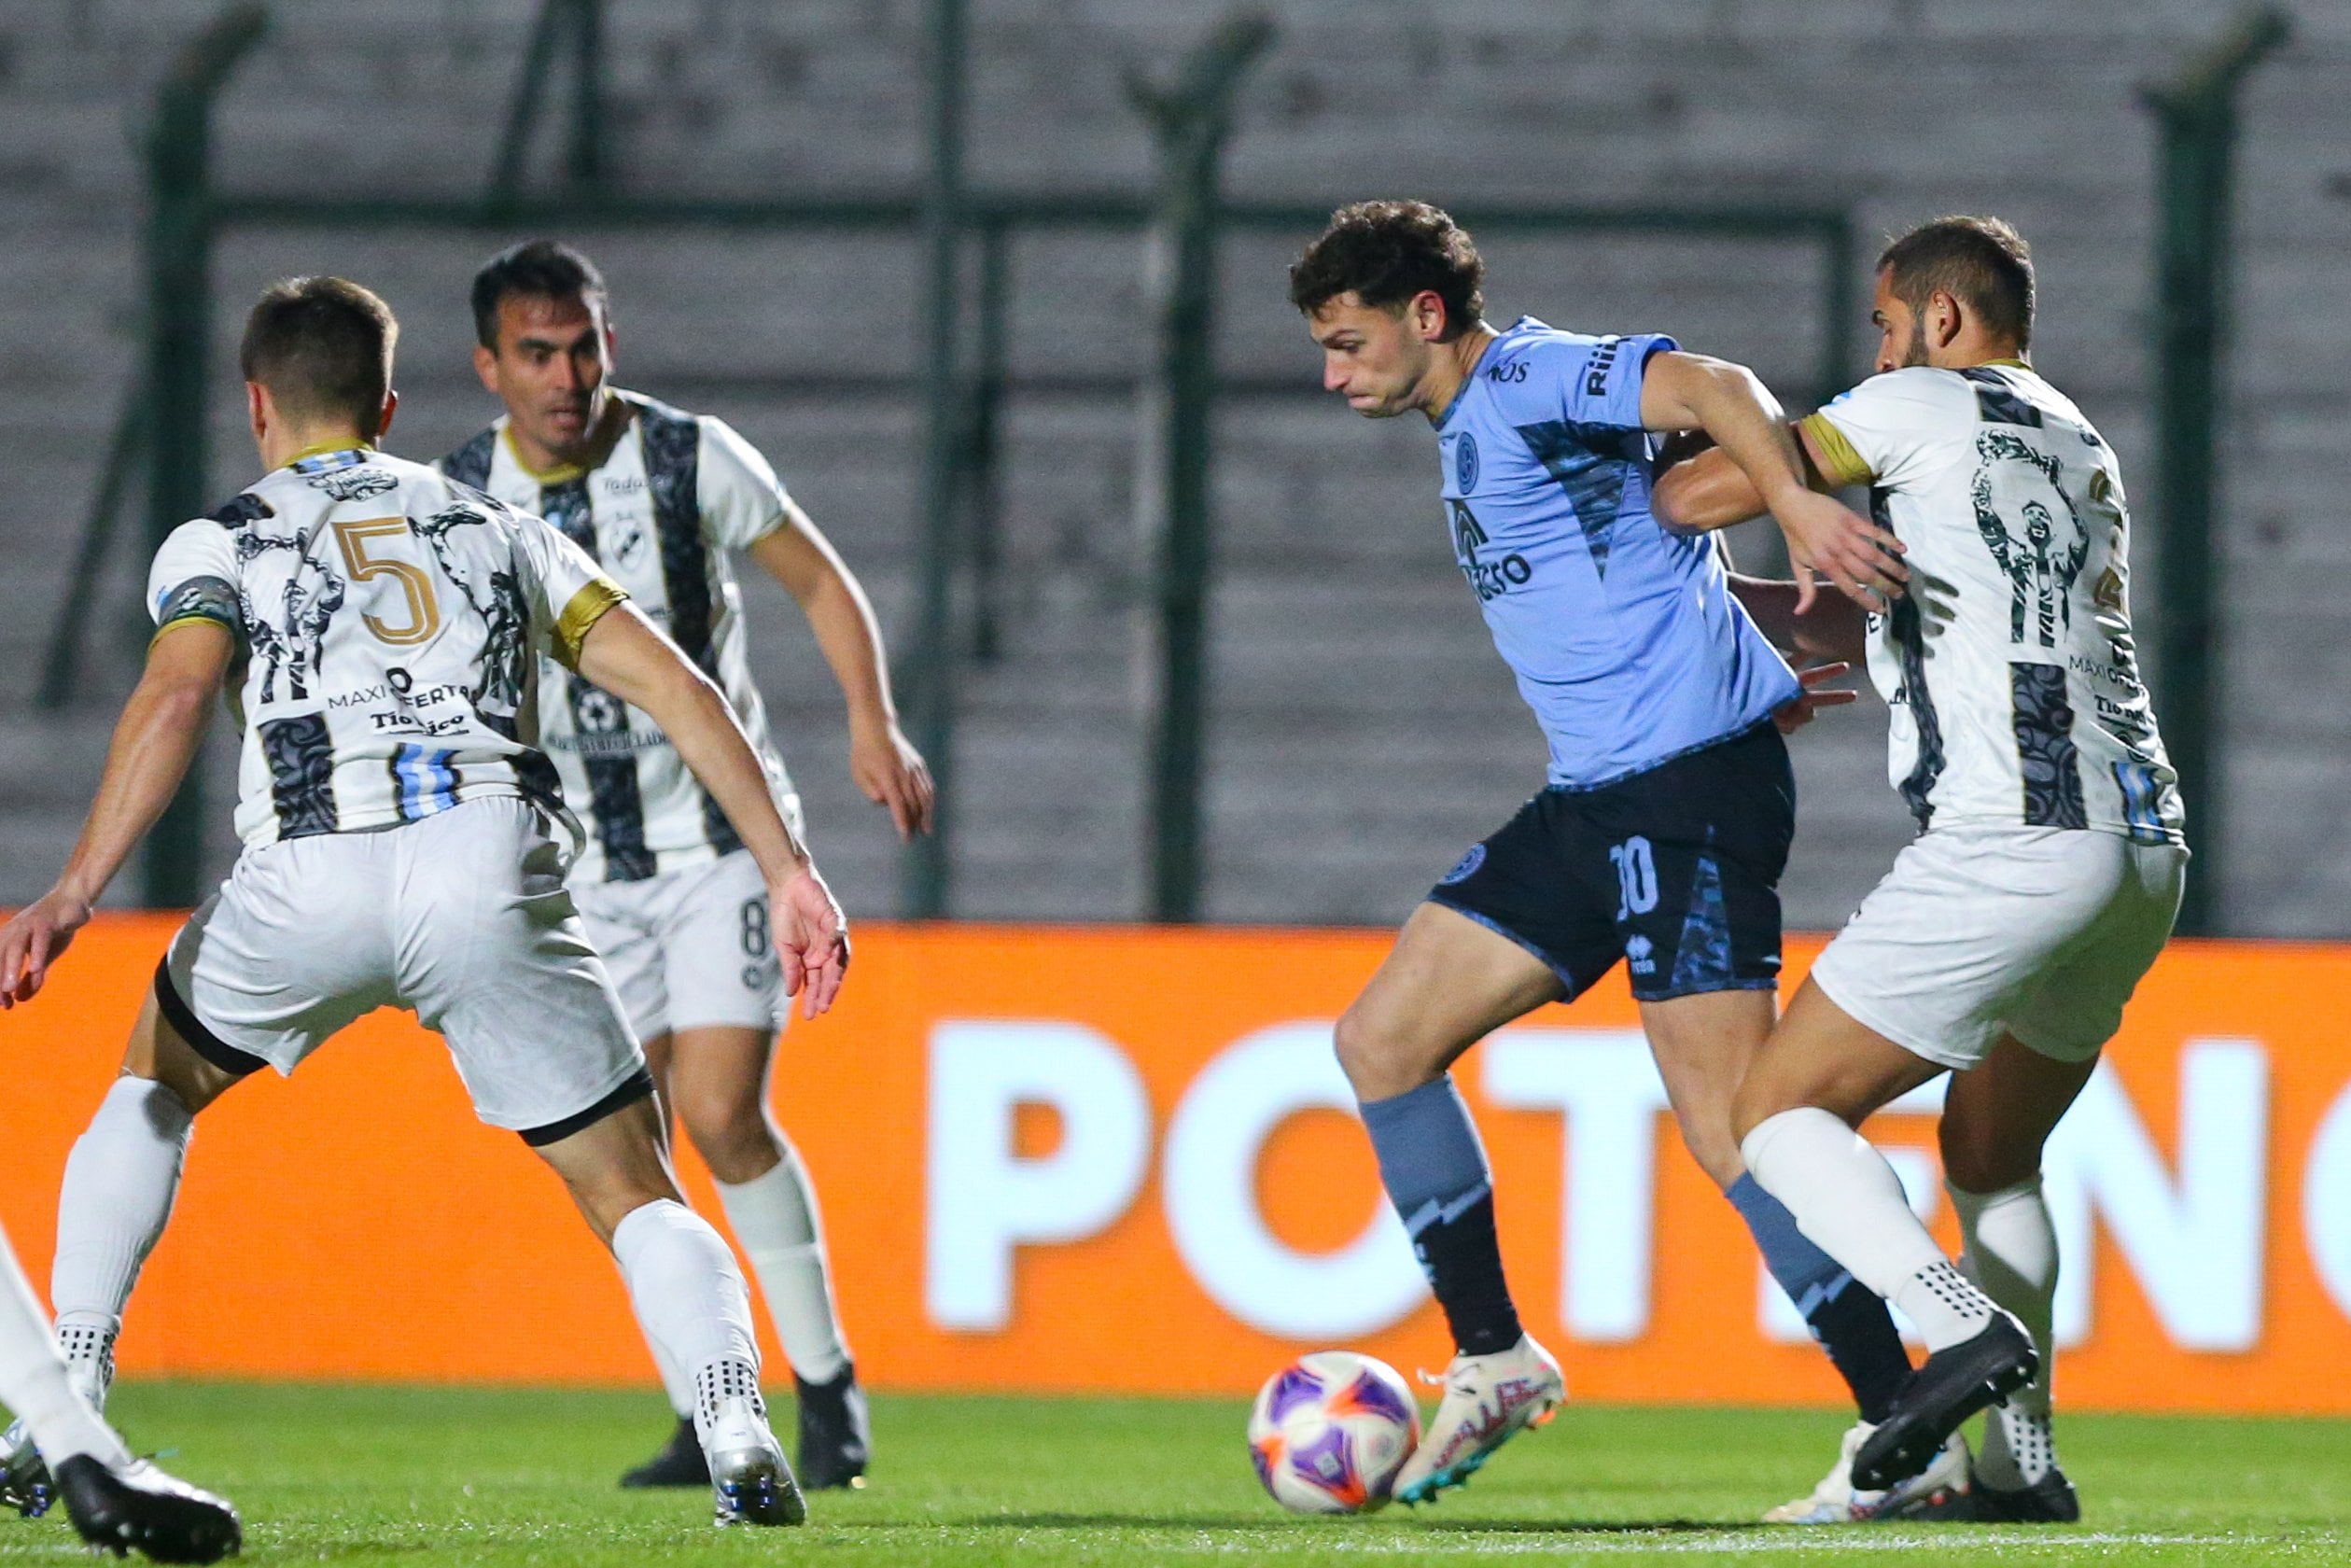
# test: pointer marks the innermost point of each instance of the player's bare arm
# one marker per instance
(1829, 629)
(624, 654)
(1691, 391)
(154, 742)
(886, 766)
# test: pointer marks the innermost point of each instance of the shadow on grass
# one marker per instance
(1259, 1524)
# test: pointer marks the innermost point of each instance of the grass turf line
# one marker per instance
(424, 1477)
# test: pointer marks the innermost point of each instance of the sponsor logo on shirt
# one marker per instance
(1489, 576)
(1604, 361)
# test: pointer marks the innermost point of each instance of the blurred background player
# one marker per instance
(1662, 836)
(2004, 942)
(659, 499)
(386, 627)
(113, 1499)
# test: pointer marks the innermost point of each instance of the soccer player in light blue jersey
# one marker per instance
(1666, 821)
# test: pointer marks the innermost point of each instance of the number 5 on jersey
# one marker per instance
(424, 611)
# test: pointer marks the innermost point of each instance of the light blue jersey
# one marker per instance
(1624, 635)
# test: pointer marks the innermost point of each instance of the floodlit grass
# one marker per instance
(422, 1477)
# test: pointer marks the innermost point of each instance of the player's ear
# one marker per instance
(485, 365)
(1427, 312)
(1944, 318)
(391, 407)
(258, 410)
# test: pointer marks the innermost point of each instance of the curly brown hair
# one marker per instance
(1387, 252)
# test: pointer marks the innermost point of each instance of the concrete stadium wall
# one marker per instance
(1363, 731)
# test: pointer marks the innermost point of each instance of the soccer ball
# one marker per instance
(1330, 1431)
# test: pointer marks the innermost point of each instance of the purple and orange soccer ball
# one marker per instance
(1330, 1431)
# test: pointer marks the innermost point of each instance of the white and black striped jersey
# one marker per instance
(390, 626)
(2009, 664)
(660, 512)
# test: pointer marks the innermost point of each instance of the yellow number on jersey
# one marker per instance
(423, 614)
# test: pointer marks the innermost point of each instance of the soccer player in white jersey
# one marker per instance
(660, 498)
(2004, 942)
(380, 628)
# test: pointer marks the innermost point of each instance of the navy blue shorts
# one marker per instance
(1676, 871)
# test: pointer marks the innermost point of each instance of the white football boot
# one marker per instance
(750, 1481)
(1938, 1492)
(1489, 1400)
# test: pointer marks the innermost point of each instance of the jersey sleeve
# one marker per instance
(194, 578)
(1601, 385)
(1879, 432)
(567, 593)
(741, 499)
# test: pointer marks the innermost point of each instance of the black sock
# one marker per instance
(1462, 1260)
(1853, 1328)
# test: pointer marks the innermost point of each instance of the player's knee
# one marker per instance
(729, 1130)
(1378, 1062)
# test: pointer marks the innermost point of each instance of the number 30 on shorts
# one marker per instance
(1636, 877)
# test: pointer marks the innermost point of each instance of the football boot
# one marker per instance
(1954, 1383)
(136, 1506)
(836, 1437)
(1488, 1400)
(1939, 1491)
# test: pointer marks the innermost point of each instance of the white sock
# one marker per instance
(2012, 1254)
(1848, 1201)
(688, 1292)
(776, 1223)
(677, 1385)
(34, 1383)
(119, 1184)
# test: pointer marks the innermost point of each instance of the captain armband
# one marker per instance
(1840, 463)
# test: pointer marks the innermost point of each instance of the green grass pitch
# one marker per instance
(421, 1477)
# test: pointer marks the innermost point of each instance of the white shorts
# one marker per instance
(691, 948)
(461, 918)
(1977, 931)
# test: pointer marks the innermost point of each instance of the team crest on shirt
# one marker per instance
(1465, 464)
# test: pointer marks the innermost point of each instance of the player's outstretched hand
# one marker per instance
(812, 938)
(892, 773)
(1817, 694)
(33, 941)
(1824, 535)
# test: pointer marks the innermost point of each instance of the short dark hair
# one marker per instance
(537, 269)
(323, 346)
(1385, 253)
(1983, 262)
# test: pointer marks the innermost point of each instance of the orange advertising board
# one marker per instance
(1068, 1158)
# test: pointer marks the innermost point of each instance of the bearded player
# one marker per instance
(2004, 942)
(1660, 839)
(660, 498)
